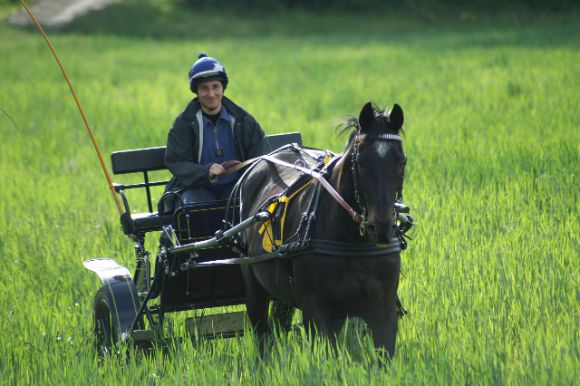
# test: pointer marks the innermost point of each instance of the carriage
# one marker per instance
(202, 253)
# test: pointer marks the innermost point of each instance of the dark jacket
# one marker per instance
(185, 139)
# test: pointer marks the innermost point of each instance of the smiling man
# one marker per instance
(210, 131)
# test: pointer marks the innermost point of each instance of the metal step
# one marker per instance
(143, 336)
(225, 325)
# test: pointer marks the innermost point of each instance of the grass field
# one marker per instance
(493, 141)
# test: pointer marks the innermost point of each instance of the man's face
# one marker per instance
(210, 95)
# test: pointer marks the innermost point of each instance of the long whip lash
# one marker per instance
(120, 207)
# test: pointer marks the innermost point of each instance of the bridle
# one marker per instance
(354, 156)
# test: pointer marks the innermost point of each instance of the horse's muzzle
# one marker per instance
(381, 232)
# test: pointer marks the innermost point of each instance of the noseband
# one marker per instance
(354, 155)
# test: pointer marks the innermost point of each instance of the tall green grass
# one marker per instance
(491, 278)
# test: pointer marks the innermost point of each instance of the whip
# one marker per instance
(120, 207)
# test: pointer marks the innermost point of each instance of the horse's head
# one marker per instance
(378, 163)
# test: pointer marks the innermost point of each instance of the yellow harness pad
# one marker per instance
(273, 233)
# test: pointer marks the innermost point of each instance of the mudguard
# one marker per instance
(121, 293)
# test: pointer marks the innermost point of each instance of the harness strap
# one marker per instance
(358, 218)
(235, 165)
(337, 249)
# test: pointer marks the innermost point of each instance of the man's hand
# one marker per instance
(215, 170)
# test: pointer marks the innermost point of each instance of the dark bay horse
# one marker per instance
(329, 287)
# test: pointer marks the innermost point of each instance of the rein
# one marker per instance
(233, 166)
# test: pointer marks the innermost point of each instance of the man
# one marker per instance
(210, 131)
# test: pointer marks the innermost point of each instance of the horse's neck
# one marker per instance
(333, 221)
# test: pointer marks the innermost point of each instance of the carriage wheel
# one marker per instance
(104, 325)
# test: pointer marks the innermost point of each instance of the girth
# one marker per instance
(337, 249)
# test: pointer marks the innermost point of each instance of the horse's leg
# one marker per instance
(257, 304)
(282, 314)
(334, 325)
(383, 322)
(317, 317)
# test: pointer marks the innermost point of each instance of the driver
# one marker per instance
(210, 131)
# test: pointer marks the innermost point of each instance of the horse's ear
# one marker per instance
(396, 117)
(366, 116)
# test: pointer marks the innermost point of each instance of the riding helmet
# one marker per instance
(206, 68)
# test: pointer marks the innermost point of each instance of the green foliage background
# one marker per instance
(420, 6)
(491, 103)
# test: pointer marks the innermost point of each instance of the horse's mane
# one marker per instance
(349, 123)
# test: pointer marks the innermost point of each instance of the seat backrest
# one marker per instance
(138, 160)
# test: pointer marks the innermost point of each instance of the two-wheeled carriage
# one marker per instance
(304, 227)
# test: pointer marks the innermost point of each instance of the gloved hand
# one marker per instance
(215, 170)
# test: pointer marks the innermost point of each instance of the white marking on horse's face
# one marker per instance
(382, 148)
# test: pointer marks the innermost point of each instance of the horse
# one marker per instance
(328, 287)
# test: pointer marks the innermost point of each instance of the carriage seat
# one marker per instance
(152, 159)
(140, 161)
